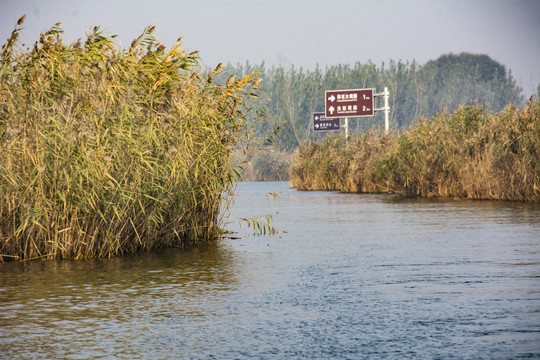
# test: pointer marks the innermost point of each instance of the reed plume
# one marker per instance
(107, 151)
(470, 153)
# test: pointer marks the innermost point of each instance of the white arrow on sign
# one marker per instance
(331, 110)
(316, 126)
(316, 117)
(332, 98)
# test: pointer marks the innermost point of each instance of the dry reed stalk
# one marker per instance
(468, 154)
(108, 151)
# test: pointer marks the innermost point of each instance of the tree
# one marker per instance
(453, 80)
(447, 82)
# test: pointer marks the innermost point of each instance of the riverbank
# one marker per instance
(108, 151)
(469, 154)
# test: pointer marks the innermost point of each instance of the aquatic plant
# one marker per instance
(471, 153)
(107, 151)
(268, 165)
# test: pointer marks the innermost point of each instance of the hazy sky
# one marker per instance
(305, 33)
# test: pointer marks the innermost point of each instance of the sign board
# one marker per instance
(349, 103)
(321, 123)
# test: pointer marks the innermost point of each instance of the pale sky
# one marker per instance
(305, 33)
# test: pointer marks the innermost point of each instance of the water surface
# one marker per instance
(355, 276)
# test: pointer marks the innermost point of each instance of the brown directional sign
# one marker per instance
(320, 123)
(349, 103)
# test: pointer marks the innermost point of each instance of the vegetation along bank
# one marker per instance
(294, 94)
(471, 153)
(107, 151)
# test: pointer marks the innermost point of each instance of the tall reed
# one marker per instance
(471, 154)
(268, 165)
(107, 151)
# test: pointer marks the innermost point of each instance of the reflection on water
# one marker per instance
(355, 276)
(89, 308)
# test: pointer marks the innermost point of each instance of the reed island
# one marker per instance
(107, 151)
(472, 153)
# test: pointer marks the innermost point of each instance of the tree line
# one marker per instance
(416, 91)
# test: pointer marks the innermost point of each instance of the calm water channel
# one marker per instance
(355, 276)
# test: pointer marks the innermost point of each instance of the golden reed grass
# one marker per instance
(470, 154)
(107, 151)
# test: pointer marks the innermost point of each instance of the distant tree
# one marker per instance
(293, 94)
(453, 80)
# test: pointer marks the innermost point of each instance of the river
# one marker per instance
(348, 276)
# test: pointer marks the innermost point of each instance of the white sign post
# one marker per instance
(386, 109)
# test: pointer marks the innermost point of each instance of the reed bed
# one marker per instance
(471, 153)
(268, 165)
(108, 151)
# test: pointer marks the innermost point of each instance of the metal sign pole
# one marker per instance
(386, 110)
(346, 128)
